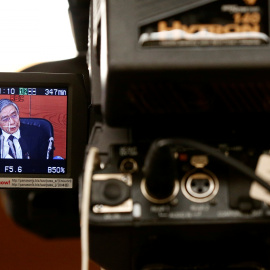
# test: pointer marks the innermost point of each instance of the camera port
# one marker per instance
(128, 165)
(200, 186)
(156, 200)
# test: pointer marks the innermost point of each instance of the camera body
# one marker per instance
(163, 71)
(208, 221)
(179, 116)
(154, 72)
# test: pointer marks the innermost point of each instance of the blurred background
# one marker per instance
(34, 31)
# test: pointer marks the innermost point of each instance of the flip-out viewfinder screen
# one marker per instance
(33, 130)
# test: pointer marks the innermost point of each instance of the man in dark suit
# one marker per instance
(18, 140)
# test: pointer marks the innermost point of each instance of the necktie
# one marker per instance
(12, 150)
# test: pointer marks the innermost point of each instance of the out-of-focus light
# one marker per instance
(34, 31)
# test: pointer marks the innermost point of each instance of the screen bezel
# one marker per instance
(77, 127)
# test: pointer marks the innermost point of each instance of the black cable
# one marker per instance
(159, 144)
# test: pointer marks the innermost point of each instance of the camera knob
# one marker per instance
(110, 192)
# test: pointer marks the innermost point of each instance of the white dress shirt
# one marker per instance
(5, 147)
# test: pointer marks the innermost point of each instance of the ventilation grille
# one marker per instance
(170, 98)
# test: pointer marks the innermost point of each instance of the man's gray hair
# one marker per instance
(6, 102)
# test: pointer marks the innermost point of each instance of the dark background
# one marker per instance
(23, 250)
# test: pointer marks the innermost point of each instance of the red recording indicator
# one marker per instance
(183, 157)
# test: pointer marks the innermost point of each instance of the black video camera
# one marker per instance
(178, 161)
(171, 161)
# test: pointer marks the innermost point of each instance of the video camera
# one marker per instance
(172, 164)
(179, 158)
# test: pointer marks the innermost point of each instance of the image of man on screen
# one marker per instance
(18, 140)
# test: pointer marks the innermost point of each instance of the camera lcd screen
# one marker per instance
(33, 130)
(43, 129)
